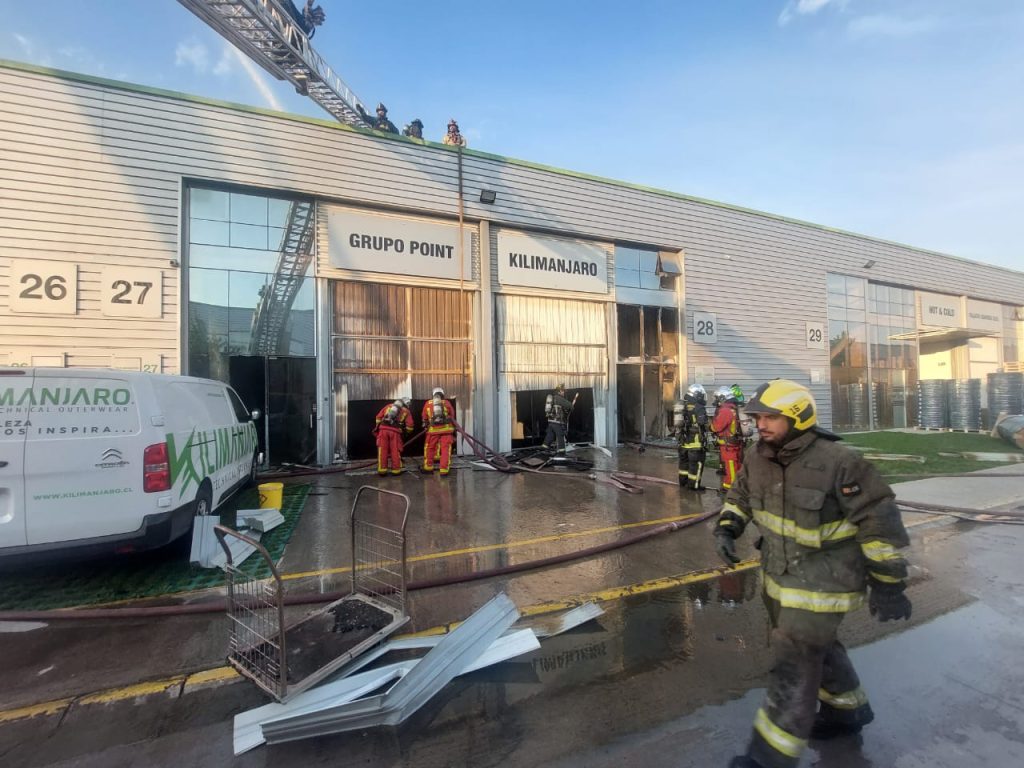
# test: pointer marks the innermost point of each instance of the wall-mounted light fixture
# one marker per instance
(488, 196)
(870, 263)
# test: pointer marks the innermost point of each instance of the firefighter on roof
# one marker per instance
(392, 420)
(439, 421)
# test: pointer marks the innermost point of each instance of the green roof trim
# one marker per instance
(145, 89)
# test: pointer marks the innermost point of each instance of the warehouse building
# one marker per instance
(322, 269)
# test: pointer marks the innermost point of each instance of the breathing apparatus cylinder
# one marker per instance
(391, 415)
(678, 416)
(437, 415)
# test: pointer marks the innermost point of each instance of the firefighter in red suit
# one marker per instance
(392, 420)
(727, 428)
(439, 421)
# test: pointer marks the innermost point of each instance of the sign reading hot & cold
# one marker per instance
(371, 243)
(548, 262)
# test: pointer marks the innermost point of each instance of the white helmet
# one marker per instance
(438, 392)
(722, 394)
(696, 393)
(406, 401)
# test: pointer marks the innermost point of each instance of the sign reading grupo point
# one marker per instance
(372, 243)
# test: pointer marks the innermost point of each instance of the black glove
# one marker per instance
(725, 546)
(888, 602)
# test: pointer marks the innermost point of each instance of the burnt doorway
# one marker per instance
(529, 424)
(284, 389)
(648, 353)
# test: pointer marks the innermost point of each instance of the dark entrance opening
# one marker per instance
(284, 389)
(529, 424)
(362, 443)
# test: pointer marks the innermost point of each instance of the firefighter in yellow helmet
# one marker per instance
(830, 532)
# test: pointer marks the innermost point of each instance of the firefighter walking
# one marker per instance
(830, 532)
(556, 410)
(392, 420)
(690, 420)
(439, 421)
(727, 429)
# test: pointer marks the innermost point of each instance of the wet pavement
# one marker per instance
(667, 677)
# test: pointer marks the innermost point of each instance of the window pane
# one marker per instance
(277, 212)
(669, 333)
(275, 238)
(209, 287)
(855, 286)
(208, 204)
(627, 258)
(651, 345)
(629, 331)
(837, 300)
(627, 278)
(648, 261)
(208, 232)
(855, 302)
(836, 283)
(650, 280)
(248, 209)
(232, 258)
(248, 236)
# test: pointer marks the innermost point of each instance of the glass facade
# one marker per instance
(1013, 336)
(873, 354)
(848, 350)
(892, 356)
(250, 289)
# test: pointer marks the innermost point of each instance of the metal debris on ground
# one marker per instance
(284, 661)
(442, 664)
(521, 638)
(261, 520)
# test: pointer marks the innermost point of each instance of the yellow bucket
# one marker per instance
(270, 495)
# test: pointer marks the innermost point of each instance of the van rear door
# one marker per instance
(83, 456)
(15, 418)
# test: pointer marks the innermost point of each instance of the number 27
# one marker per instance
(122, 288)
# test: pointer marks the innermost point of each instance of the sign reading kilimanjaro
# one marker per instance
(546, 262)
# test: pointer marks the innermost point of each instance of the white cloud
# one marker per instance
(882, 25)
(31, 52)
(192, 53)
(225, 64)
(805, 8)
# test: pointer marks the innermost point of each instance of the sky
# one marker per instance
(898, 119)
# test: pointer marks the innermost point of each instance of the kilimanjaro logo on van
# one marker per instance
(112, 459)
(65, 396)
(206, 451)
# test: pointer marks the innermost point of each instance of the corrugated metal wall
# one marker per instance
(91, 171)
(393, 340)
(542, 341)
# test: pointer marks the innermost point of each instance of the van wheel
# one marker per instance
(253, 471)
(204, 501)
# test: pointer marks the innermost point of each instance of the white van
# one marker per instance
(115, 461)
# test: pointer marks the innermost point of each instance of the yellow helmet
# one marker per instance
(786, 398)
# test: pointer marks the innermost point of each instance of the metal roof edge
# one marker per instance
(137, 88)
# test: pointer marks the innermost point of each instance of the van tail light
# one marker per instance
(156, 469)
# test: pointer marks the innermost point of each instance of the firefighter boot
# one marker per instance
(831, 722)
(742, 761)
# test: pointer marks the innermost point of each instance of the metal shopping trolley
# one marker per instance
(286, 660)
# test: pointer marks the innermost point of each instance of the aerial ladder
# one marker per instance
(275, 34)
(270, 320)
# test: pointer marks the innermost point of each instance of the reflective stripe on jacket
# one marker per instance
(827, 518)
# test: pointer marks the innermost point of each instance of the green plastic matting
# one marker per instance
(156, 573)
